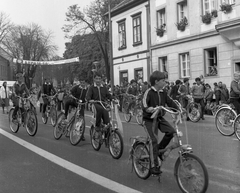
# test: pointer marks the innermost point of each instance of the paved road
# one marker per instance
(43, 164)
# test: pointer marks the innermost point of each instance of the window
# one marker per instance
(229, 1)
(182, 10)
(163, 67)
(184, 65)
(211, 61)
(122, 34)
(123, 78)
(161, 18)
(137, 34)
(138, 73)
(209, 6)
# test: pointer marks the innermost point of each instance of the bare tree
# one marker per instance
(29, 42)
(5, 25)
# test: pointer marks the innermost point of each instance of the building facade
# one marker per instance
(5, 66)
(130, 41)
(185, 44)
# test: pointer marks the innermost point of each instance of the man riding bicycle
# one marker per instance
(235, 92)
(79, 92)
(132, 91)
(152, 98)
(19, 89)
(99, 92)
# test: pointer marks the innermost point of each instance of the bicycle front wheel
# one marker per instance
(59, 127)
(128, 114)
(77, 130)
(53, 116)
(224, 120)
(237, 127)
(139, 116)
(194, 112)
(13, 124)
(45, 118)
(116, 144)
(31, 125)
(191, 174)
(141, 161)
(95, 137)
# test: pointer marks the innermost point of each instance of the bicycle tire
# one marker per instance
(95, 138)
(186, 168)
(57, 131)
(194, 112)
(237, 127)
(128, 115)
(115, 140)
(31, 125)
(141, 161)
(77, 130)
(53, 116)
(45, 118)
(224, 120)
(139, 116)
(14, 127)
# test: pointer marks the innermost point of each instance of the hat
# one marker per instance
(185, 80)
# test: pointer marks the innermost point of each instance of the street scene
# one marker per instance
(127, 96)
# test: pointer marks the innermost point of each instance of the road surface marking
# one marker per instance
(95, 178)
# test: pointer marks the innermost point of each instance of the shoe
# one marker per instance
(156, 170)
(83, 138)
(160, 155)
(188, 119)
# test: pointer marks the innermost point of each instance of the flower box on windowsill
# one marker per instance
(122, 47)
(137, 44)
(182, 24)
(160, 31)
(207, 18)
(214, 13)
(226, 8)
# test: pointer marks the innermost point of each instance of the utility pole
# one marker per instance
(110, 46)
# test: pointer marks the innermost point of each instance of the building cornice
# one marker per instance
(227, 25)
(132, 54)
(184, 40)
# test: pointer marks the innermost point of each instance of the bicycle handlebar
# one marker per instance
(28, 98)
(157, 109)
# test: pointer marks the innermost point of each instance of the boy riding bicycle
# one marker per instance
(153, 97)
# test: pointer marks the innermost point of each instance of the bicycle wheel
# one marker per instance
(95, 138)
(237, 127)
(45, 117)
(191, 174)
(59, 127)
(194, 112)
(139, 117)
(115, 144)
(224, 120)
(141, 161)
(14, 125)
(53, 116)
(31, 125)
(128, 114)
(77, 130)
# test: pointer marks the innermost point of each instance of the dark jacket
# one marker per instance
(174, 92)
(79, 92)
(48, 89)
(153, 98)
(98, 93)
(234, 90)
(20, 89)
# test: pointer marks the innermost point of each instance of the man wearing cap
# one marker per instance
(235, 92)
(198, 91)
(19, 89)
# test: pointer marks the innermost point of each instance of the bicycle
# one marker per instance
(189, 170)
(134, 109)
(108, 134)
(50, 110)
(225, 118)
(75, 127)
(26, 116)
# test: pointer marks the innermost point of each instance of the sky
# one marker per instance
(49, 14)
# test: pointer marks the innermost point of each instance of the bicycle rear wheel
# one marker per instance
(116, 144)
(237, 127)
(31, 125)
(14, 125)
(77, 130)
(191, 174)
(141, 161)
(59, 127)
(53, 116)
(224, 120)
(194, 112)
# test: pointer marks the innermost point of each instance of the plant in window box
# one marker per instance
(214, 13)
(160, 31)
(206, 18)
(182, 24)
(226, 8)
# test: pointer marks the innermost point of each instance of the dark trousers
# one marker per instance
(101, 114)
(15, 101)
(73, 103)
(201, 102)
(45, 103)
(152, 129)
(236, 104)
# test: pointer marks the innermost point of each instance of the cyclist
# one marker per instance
(79, 92)
(47, 89)
(153, 97)
(19, 89)
(99, 92)
(132, 90)
(235, 92)
(198, 91)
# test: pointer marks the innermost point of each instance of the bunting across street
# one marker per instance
(57, 62)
